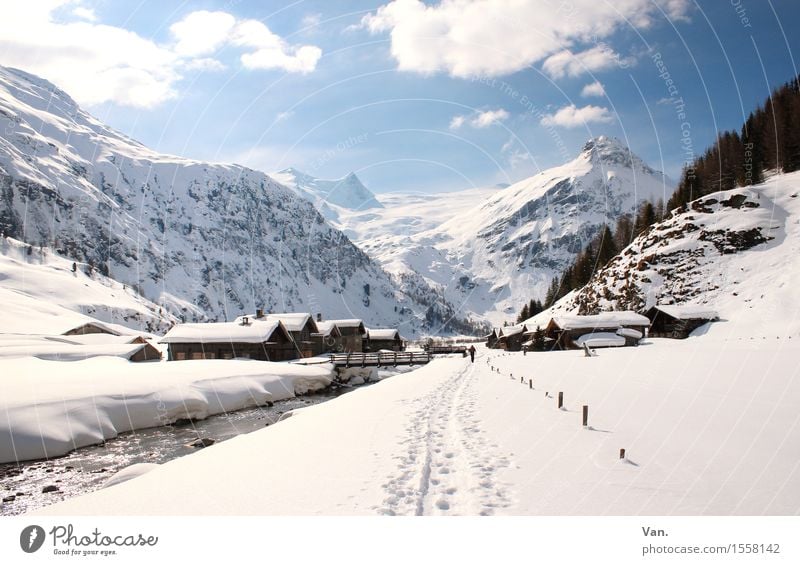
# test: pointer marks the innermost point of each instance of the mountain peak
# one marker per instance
(346, 192)
(609, 150)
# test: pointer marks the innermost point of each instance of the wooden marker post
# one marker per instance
(585, 415)
(622, 453)
(530, 383)
(561, 400)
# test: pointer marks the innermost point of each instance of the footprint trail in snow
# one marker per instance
(449, 467)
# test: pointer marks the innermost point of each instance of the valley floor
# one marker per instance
(710, 427)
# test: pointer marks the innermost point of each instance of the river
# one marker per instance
(88, 468)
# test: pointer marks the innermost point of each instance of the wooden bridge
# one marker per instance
(380, 359)
(446, 349)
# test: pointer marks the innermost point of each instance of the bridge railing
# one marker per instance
(380, 358)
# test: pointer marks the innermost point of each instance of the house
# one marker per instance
(353, 334)
(678, 321)
(384, 338)
(147, 353)
(328, 338)
(606, 329)
(53, 350)
(301, 328)
(265, 340)
(92, 328)
(511, 338)
(492, 338)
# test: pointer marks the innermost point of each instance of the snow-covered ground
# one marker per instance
(709, 424)
(48, 408)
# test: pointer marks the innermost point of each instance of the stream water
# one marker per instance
(22, 485)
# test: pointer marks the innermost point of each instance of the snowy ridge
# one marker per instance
(201, 240)
(498, 248)
(331, 197)
(735, 253)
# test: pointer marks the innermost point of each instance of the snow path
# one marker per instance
(447, 457)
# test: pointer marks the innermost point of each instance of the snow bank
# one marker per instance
(129, 472)
(51, 408)
(600, 339)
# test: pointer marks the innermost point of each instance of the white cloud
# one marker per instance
(598, 58)
(488, 118)
(205, 64)
(593, 89)
(311, 20)
(283, 116)
(202, 32)
(572, 117)
(97, 63)
(457, 122)
(498, 37)
(480, 120)
(84, 13)
(272, 52)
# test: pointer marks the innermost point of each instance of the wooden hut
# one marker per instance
(246, 338)
(491, 339)
(511, 338)
(678, 321)
(384, 338)
(91, 328)
(301, 328)
(606, 329)
(328, 338)
(353, 334)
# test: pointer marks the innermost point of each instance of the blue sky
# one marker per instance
(411, 96)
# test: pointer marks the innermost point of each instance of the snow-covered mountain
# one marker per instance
(492, 250)
(331, 197)
(201, 240)
(736, 252)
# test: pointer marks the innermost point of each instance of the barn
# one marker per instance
(328, 338)
(606, 329)
(678, 321)
(384, 338)
(511, 338)
(265, 340)
(492, 338)
(353, 334)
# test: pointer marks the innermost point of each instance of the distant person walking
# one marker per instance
(472, 354)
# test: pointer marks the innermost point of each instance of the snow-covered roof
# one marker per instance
(688, 311)
(326, 328)
(610, 320)
(349, 323)
(107, 328)
(600, 339)
(257, 331)
(96, 339)
(513, 330)
(292, 321)
(383, 333)
(630, 332)
(67, 352)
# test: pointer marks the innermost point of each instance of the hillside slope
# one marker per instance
(201, 240)
(737, 252)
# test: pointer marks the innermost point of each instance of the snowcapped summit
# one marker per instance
(611, 151)
(347, 192)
